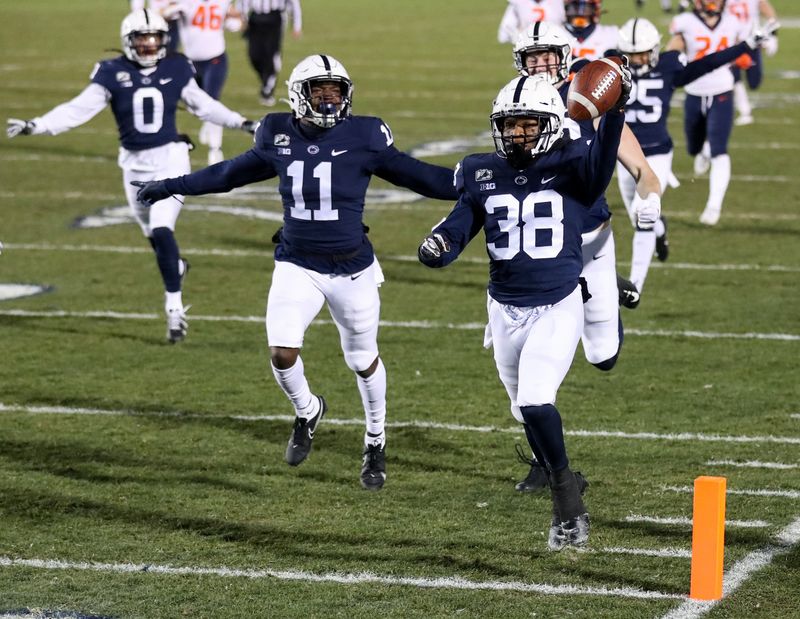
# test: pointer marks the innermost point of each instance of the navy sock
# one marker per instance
(545, 424)
(537, 452)
(167, 256)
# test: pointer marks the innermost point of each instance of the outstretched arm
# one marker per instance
(431, 181)
(205, 107)
(90, 102)
(708, 63)
(219, 178)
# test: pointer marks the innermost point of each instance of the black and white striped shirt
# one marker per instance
(268, 6)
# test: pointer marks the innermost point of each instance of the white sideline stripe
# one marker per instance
(752, 464)
(673, 553)
(684, 521)
(740, 572)
(400, 324)
(429, 425)
(451, 582)
(243, 253)
(784, 494)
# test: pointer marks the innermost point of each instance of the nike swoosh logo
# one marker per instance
(165, 80)
(352, 277)
(336, 153)
(547, 180)
(597, 257)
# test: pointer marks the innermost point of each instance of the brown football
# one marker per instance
(595, 89)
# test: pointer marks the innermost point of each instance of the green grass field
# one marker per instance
(139, 479)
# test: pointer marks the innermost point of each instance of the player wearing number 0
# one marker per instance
(202, 25)
(655, 78)
(324, 158)
(530, 198)
(143, 88)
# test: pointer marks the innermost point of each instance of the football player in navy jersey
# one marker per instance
(545, 50)
(144, 87)
(531, 197)
(655, 78)
(324, 158)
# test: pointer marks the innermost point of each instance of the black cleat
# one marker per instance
(570, 523)
(373, 471)
(537, 478)
(302, 434)
(662, 243)
(628, 293)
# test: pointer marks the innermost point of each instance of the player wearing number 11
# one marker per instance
(324, 158)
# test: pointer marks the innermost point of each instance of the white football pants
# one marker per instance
(601, 312)
(296, 297)
(534, 348)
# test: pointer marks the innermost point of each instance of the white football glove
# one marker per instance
(759, 36)
(433, 246)
(15, 127)
(770, 45)
(647, 210)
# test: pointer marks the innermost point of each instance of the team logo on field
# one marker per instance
(521, 180)
(483, 175)
(313, 149)
(123, 76)
(488, 186)
(281, 139)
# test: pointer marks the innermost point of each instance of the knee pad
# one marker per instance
(359, 360)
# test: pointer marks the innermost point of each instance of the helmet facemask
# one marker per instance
(711, 8)
(582, 13)
(322, 101)
(145, 36)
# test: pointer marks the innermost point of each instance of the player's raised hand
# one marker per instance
(761, 34)
(15, 127)
(626, 84)
(250, 126)
(151, 192)
(432, 247)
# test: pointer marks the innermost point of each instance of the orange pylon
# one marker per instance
(708, 538)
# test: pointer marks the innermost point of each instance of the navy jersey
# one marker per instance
(647, 109)
(144, 106)
(599, 212)
(532, 218)
(324, 176)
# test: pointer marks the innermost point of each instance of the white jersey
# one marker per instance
(746, 11)
(201, 28)
(702, 40)
(522, 13)
(602, 39)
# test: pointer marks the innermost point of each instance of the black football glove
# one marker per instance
(432, 247)
(151, 192)
(627, 85)
(250, 126)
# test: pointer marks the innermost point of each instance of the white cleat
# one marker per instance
(177, 326)
(710, 217)
(701, 164)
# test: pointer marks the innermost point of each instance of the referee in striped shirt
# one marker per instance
(265, 24)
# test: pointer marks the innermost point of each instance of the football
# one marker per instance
(595, 89)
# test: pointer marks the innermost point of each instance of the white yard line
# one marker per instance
(668, 553)
(767, 492)
(399, 324)
(752, 464)
(684, 521)
(429, 425)
(345, 578)
(740, 572)
(244, 253)
(795, 415)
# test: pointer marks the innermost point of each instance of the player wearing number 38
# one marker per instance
(144, 87)
(530, 198)
(324, 158)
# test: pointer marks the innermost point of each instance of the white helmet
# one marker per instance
(144, 22)
(544, 37)
(637, 36)
(528, 97)
(319, 68)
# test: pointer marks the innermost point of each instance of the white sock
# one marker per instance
(706, 150)
(644, 245)
(741, 100)
(718, 181)
(212, 134)
(373, 397)
(660, 229)
(294, 384)
(174, 301)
